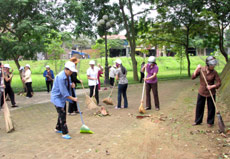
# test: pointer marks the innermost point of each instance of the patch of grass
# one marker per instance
(169, 69)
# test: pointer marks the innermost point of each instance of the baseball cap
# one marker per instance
(7, 66)
(27, 65)
(47, 66)
(71, 66)
(92, 62)
(21, 68)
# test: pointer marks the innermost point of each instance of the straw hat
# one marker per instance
(74, 60)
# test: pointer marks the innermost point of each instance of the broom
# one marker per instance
(141, 107)
(220, 120)
(8, 120)
(109, 100)
(84, 128)
(88, 101)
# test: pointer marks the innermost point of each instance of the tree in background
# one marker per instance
(112, 44)
(219, 12)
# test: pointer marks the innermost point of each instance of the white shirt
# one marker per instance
(28, 76)
(112, 72)
(93, 74)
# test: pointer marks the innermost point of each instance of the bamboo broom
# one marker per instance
(7, 117)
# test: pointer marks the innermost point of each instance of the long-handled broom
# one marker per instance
(220, 120)
(141, 108)
(8, 120)
(109, 100)
(84, 128)
(88, 101)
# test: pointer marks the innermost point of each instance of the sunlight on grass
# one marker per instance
(169, 68)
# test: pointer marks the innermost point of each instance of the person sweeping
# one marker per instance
(122, 84)
(92, 75)
(61, 92)
(73, 110)
(151, 83)
(214, 83)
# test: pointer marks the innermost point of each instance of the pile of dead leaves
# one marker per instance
(102, 112)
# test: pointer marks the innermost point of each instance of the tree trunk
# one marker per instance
(221, 43)
(20, 73)
(131, 38)
(106, 62)
(186, 51)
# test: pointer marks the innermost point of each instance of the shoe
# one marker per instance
(68, 113)
(117, 107)
(147, 108)
(210, 125)
(66, 136)
(14, 106)
(157, 109)
(73, 113)
(105, 88)
(194, 124)
(99, 105)
(58, 131)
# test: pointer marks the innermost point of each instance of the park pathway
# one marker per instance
(164, 135)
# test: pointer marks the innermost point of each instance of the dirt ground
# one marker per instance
(166, 134)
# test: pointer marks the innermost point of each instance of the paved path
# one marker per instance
(120, 135)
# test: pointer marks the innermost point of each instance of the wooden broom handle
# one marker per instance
(143, 90)
(209, 90)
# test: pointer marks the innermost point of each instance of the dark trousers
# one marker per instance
(200, 109)
(142, 76)
(122, 88)
(2, 100)
(29, 89)
(96, 93)
(154, 88)
(72, 106)
(111, 81)
(9, 90)
(49, 85)
(61, 121)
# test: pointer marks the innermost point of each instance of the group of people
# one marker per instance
(63, 87)
(65, 84)
(6, 78)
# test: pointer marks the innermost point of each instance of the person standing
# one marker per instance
(112, 75)
(7, 80)
(214, 83)
(28, 81)
(73, 110)
(61, 93)
(49, 75)
(122, 84)
(92, 74)
(142, 73)
(2, 86)
(151, 83)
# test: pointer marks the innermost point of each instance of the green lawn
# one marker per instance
(169, 68)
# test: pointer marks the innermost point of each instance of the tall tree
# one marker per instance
(22, 26)
(182, 15)
(219, 10)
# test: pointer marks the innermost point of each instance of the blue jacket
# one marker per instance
(60, 90)
(45, 73)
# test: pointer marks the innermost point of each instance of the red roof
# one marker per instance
(122, 37)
